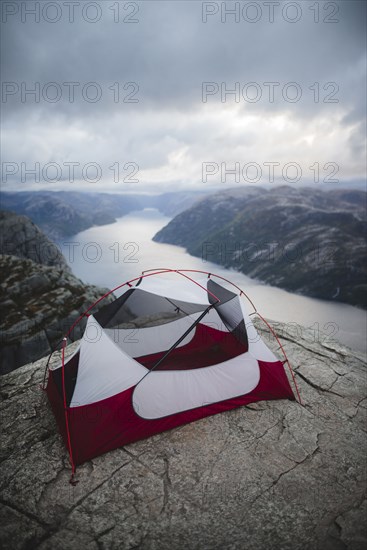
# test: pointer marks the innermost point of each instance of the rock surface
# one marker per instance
(270, 476)
(303, 240)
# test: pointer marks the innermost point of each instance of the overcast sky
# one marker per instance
(133, 94)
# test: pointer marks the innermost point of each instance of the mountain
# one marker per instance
(173, 203)
(303, 240)
(62, 214)
(22, 238)
(272, 475)
(40, 298)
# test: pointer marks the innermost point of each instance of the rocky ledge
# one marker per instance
(39, 305)
(272, 475)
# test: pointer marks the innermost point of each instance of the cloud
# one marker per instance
(146, 104)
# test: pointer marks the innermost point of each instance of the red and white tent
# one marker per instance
(168, 351)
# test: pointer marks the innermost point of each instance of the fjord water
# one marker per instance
(112, 254)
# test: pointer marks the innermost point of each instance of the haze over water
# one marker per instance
(111, 254)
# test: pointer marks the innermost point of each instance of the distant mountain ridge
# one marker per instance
(62, 213)
(303, 240)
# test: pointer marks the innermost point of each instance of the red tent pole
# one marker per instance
(144, 274)
(210, 274)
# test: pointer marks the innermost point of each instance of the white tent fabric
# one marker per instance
(257, 346)
(183, 289)
(162, 393)
(119, 371)
(138, 342)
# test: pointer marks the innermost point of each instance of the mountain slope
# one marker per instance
(62, 214)
(39, 296)
(302, 240)
(22, 238)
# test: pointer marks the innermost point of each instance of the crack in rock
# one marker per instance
(275, 482)
(167, 484)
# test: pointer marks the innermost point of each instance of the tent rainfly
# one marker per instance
(169, 350)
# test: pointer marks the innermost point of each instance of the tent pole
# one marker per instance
(181, 338)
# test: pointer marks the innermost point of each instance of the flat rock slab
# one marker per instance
(272, 475)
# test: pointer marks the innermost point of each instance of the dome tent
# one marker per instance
(170, 350)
